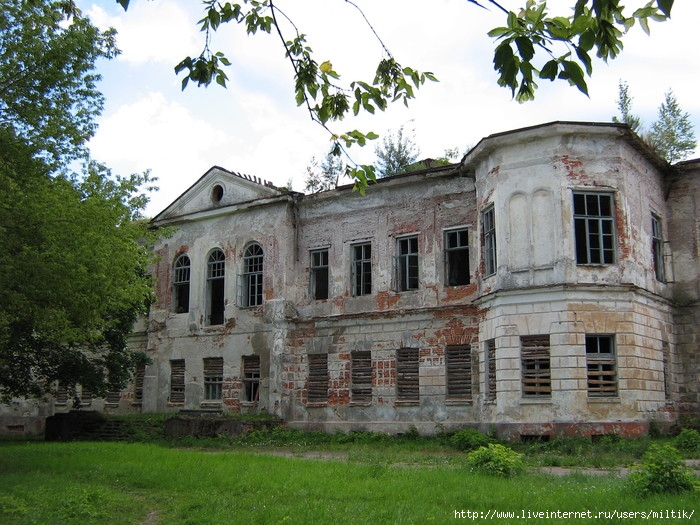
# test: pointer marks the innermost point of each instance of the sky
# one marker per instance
(254, 126)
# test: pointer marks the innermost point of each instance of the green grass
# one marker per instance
(133, 483)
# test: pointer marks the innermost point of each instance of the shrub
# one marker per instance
(662, 471)
(469, 439)
(495, 459)
(688, 440)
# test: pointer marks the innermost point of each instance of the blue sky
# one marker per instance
(255, 127)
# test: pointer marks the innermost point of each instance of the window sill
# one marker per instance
(604, 399)
(407, 403)
(211, 404)
(459, 402)
(360, 403)
(536, 400)
(317, 404)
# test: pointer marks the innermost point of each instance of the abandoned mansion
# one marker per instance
(547, 284)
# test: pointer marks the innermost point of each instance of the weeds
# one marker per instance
(661, 472)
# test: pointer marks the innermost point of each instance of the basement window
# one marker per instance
(177, 381)
(536, 372)
(601, 363)
(251, 377)
(318, 378)
(407, 369)
(361, 376)
(461, 366)
(213, 378)
(456, 257)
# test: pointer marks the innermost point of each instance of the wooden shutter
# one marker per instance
(537, 378)
(361, 375)
(318, 378)
(407, 366)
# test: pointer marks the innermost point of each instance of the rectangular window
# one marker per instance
(362, 269)
(138, 382)
(251, 377)
(534, 355)
(461, 366)
(319, 274)
(61, 395)
(318, 378)
(213, 378)
(601, 364)
(594, 225)
(666, 368)
(361, 376)
(457, 257)
(177, 381)
(657, 249)
(406, 264)
(407, 366)
(491, 370)
(488, 220)
(216, 270)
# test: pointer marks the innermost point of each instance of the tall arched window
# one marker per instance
(252, 279)
(216, 267)
(181, 284)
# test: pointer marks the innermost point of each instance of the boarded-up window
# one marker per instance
(85, 397)
(113, 397)
(213, 377)
(361, 373)
(461, 366)
(318, 378)
(601, 365)
(667, 372)
(407, 366)
(61, 395)
(491, 370)
(251, 377)
(537, 377)
(138, 382)
(177, 381)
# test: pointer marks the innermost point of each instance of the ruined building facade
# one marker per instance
(545, 285)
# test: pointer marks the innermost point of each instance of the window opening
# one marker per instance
(177, 381)
(251, 377)
(491, 370)
(657, 248)
(601, 365)
(594, 228)
(319, 274)
(461, 366)
(252, 278)
(362, 269)
(213, 378)
(406, 264)
(407, 369)
(536, 372)
(489, 240)
(181, 284)
(318, 378)
(216, 268)
(457, 257)
(361, 376)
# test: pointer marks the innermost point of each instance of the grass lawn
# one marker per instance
(150, 483)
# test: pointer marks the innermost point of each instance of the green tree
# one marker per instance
(672, 135)
(73, 267)
(624, 105)
(324, 176)
(533, 44)
(396, 152)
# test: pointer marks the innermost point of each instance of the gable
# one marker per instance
(217, 188)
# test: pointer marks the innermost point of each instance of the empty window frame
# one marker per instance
(594, 225)
(657, 248)
(181, 284)
(216, 269)
(251, 378)
(361, 376)
(251, 281)
(406, 264)
(461, 366)
(318, 378)
(457, 257)
(488, 228)
(138, 382)
(535, 361)
(319, 275)
(213, 378)
(602, 366)
(362, 269)
(491, 370)
(177, 381)
(407, 369)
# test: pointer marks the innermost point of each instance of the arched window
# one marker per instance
(181, 284)
(251, 282)
(216, 267)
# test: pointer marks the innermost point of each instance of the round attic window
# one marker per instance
(217, 193)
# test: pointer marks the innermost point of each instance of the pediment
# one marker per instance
(216, 189)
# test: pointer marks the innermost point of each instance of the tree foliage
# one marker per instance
(73, 268)
(533, 44)
(624, 105)
(395, 153)
(323, 176)
(672, 134)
